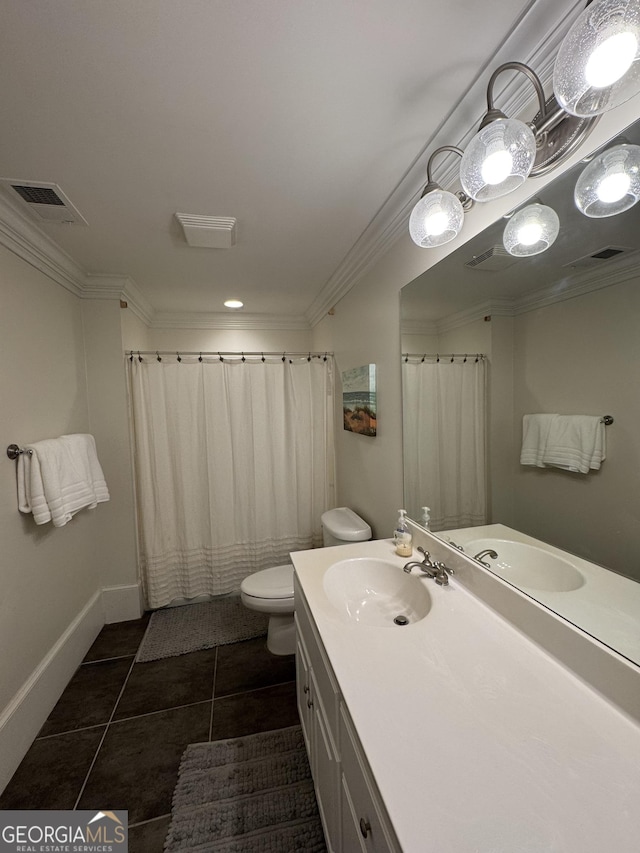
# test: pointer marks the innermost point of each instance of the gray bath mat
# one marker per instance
(180, 630)
(252, 794)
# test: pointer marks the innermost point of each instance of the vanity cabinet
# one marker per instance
(350, 807)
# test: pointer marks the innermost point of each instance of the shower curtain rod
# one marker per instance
(466, 355)
(281, 354)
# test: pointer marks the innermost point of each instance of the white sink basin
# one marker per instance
(528, 566)
(372, 591)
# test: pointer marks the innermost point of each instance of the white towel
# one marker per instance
(60, 477)
(535, 433)
(575, 443)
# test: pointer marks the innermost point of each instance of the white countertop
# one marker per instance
(479, 741)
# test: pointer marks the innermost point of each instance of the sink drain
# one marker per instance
(401, 620)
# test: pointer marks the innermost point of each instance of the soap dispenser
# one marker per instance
(426, 517)
(402, 535)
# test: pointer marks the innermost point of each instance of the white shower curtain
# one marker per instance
(444, 440)
(234, 467)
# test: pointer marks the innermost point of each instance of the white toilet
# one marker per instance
(271, 590)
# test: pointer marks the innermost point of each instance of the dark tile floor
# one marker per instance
(115, 738)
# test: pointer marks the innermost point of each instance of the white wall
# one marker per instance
(229, 340)
(47, 575)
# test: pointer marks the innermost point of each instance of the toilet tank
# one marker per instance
(341, 526)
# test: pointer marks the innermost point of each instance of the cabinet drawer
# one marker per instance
(365, 817)
(325, 679)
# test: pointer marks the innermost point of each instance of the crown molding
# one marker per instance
(104, 286)
(220, 321)
(23, 237)
(534, 39)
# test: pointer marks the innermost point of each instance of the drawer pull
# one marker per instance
(365, 827)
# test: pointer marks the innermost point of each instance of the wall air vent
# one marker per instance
(597, 259)
(45, 202)
(494, 259)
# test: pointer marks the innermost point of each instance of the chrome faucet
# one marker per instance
(432, 569)
(488, 552)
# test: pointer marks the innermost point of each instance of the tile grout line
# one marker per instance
(213, 693)
(104, 734)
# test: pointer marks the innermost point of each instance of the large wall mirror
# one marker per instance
(560, 333)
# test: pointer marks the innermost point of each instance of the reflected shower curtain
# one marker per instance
(444, 440)
(234, 467)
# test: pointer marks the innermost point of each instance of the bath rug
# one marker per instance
(251, 794)
(180, 630)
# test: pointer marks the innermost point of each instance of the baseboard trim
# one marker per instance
(122, 603)
(23, 717)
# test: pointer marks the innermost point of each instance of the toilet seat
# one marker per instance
(273, 583)
(269, 591)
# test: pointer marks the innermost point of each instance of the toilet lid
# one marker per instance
(276, 582)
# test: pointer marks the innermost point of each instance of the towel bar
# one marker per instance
(607, 420)
(13, 451)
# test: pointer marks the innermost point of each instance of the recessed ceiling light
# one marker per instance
(233, 303)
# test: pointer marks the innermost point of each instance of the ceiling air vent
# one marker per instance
(596, 259)
(494, 259)
(208, 232)
(45, 202)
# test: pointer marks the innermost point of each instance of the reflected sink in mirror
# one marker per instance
(375, 592)
(527, 566)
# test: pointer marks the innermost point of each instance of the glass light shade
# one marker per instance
(531, 230)
(598, 64)
(498, 159)
(436, 219)
(233, 303)
(610, 184)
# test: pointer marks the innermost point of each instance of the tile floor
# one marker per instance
(115, 738)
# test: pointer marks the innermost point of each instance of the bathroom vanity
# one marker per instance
(456, 731)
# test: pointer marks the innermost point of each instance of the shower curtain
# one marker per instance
(444, 439)
(234, 467)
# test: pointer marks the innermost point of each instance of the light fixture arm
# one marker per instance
(492, 112)
(431, 184)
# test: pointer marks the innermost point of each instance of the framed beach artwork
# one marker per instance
(359, 399)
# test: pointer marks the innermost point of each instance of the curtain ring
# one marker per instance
(158, 356)
(437, 358)
(309, 357)
(283, 358)
(220, 357)
(243, 358)
(131, 357)
(139, 356)
(423, 358)
(200, 358)
(325, 356)
(465, 358)
(451, 358)
(178, 356)
(263, 358)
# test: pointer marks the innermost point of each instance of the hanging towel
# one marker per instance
(60, 477)
(575, 443)
(535, 434)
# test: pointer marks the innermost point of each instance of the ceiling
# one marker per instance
(298, 117)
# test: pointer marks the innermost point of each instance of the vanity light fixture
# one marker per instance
(233, 303)
(610, 184)
(597, 68)
(501, 155)
(531, 230)
(598, 64)
(437, 218)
